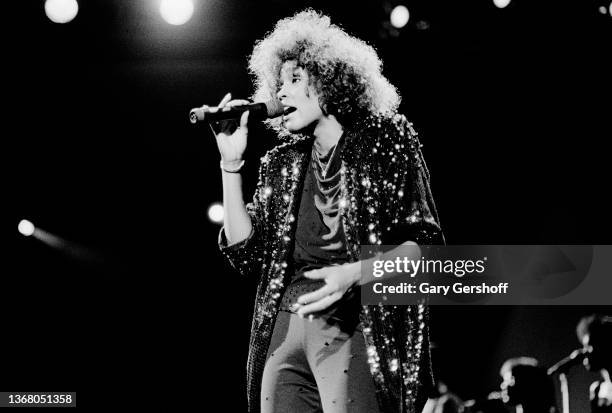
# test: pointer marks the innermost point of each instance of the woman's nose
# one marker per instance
(281, 93)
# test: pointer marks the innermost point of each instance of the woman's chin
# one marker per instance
(295, 126)
(292, 126)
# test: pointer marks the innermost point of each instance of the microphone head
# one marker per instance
(193, 116)
(197, 114)
(274, 108)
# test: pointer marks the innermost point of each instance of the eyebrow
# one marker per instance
(295, 71)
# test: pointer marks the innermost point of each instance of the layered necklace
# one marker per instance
(327, 197)
(323, 168)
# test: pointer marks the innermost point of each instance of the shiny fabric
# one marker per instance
(386, 199)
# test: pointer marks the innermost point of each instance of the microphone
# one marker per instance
(261, 110)
(575, 357)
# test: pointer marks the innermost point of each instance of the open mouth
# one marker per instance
(289, 109)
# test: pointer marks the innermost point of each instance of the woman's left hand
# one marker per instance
(338, 279)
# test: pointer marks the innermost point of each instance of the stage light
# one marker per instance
(25, 227)
(610, 8)
(215, 213)
(603, 10)
(400, 16)
(176, 12)
(501, 3)
(61, 11)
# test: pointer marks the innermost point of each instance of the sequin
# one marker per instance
(371, 350)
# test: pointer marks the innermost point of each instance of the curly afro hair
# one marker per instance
(345, 71)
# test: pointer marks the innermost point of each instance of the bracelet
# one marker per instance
(234, 170)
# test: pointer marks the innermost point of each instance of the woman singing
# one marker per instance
(348, 172)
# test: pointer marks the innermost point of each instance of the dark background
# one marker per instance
(512, 106)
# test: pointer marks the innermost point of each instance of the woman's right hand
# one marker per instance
(231, 136)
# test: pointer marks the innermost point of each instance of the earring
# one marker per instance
(324, 109)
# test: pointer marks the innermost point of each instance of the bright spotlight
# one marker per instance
(400, 16)
(603, 10)
(61, 11)
(176, 12)
(501, 3)
(215, 213)
(25, 227)
(610, 8)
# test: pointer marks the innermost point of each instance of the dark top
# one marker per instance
(319, 240)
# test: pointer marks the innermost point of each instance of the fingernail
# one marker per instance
(310, 317)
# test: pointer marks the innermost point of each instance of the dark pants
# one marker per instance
(316, 366)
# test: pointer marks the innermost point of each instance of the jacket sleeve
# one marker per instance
(247, 256)
(411, 208)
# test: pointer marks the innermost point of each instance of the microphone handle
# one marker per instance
(213, 113)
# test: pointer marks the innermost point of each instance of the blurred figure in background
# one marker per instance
(527, 387)
(444, 402)
(449, 403)
(490, 405)
(595, 334)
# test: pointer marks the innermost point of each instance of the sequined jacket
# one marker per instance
(385, 199)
